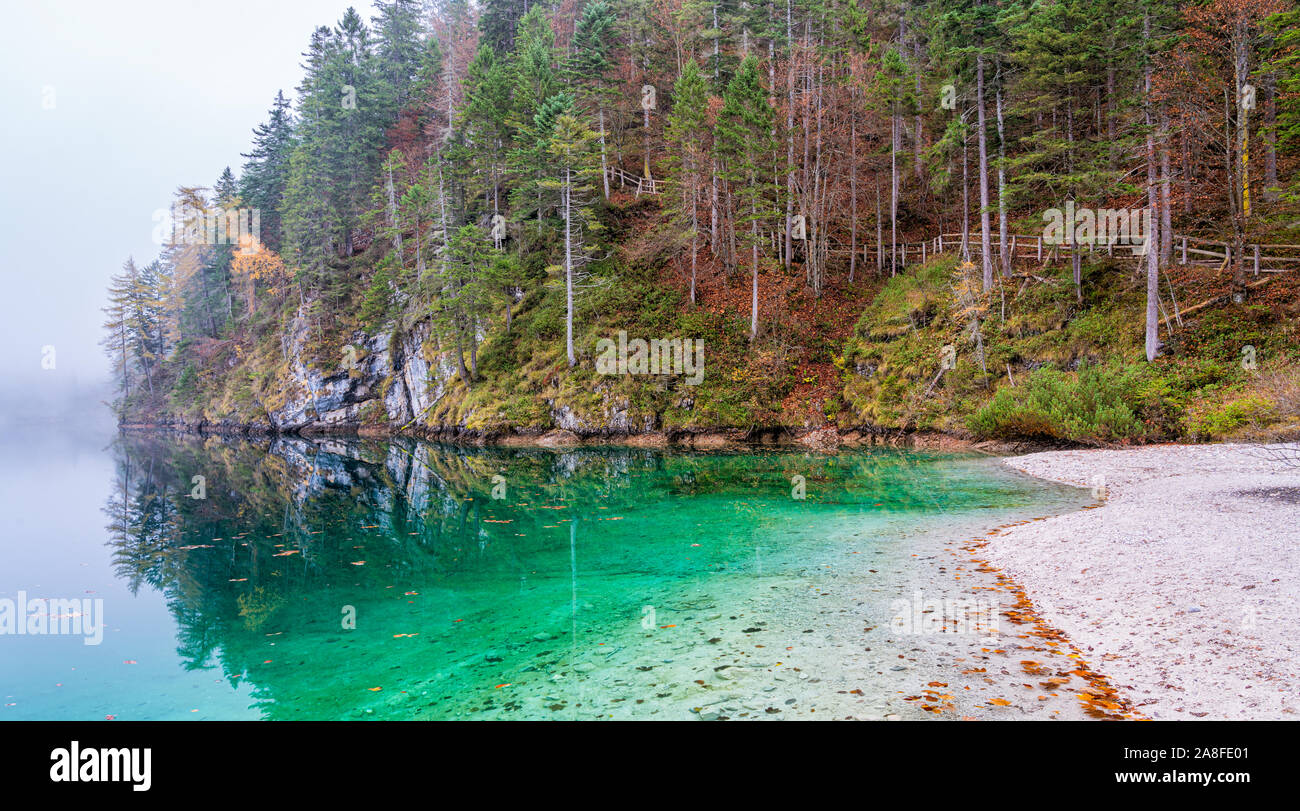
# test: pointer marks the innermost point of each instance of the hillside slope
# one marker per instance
(882, 358)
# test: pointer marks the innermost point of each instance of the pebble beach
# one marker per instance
(1182, 588)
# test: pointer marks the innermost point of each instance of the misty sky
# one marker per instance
(146, 95)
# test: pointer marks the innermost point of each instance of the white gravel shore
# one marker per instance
(1183, 587)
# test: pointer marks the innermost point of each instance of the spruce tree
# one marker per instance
(573, 166)
(745, 145)
(687, 134)
(266, 173)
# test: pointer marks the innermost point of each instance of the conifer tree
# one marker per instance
(573, 166)
(687, 134)
(588, 68)
(266, 173)
(745, 144)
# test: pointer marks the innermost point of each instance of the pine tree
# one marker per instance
(343, 111)
(968, 35)
(531, 157)
(893, 95)
(588, 69)
(745, 144)
(535, 106)
(571, 149)
(687, 134)
(266, 173)
(117, 341)
(1284, 65)
(484, 121)
(399, 55)
(498, 21)
(466, 296)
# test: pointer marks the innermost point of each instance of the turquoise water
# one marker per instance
(373, 580)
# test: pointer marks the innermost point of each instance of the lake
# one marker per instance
(289, 579)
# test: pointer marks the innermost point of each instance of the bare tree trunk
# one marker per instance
(695, 215)
(568, 268)
(893, 196)
(1076, 267)
(473, 348)
(880, 231)
(604, 167)
(392, 215)
(716, 76)
(813, 232)
(986, 246)
(789, 134)
(753, 305)
(460, 351)
(1002, 185)
(1166, 209)
(733, 255)
(1110, 115)
(916, 136)
(646, 113)
(1153, 252)
(695, 255)
(853, 194)
(965, 200)
(1241, 213)
(713, 209)
(1270, 137)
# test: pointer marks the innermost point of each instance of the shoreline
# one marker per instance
(1181, 585)
(824, 438)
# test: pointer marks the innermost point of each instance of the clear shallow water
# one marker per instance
(599, 582)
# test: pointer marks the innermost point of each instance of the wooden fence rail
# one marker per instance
(642, 185)
(1033, 246)
(1260, 258)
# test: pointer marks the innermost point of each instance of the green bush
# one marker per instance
(547, 320)
(1096, 405)
(1224, 418)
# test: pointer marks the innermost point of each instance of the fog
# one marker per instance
(108, 107)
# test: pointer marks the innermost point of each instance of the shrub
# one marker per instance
(1282, 387)
(1220, 419)
(1096, 405)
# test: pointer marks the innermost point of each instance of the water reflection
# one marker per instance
(461, 565)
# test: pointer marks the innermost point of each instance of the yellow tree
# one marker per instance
(253, 264)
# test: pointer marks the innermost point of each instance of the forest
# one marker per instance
(854, 206)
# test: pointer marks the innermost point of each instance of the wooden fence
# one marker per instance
(1188, 250)
(1260, 258)
(642, 185)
